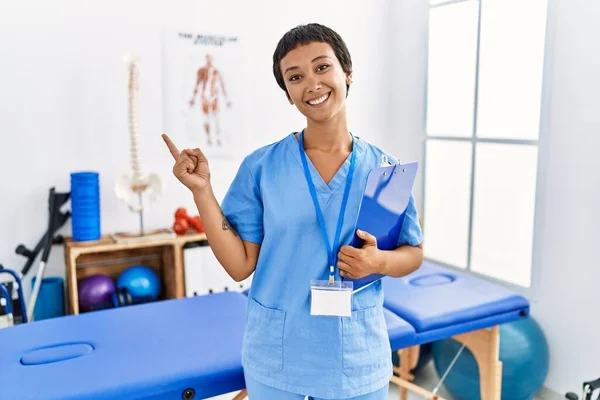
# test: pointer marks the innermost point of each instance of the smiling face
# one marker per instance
(315, 81)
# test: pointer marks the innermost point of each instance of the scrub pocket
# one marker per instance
(365, 343)
(263, 338)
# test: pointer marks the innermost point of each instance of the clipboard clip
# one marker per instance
(385, 162)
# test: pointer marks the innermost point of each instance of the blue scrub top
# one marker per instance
(284, 346)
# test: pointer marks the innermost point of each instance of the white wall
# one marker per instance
(566, 298)
(63, 106)
(407, 60)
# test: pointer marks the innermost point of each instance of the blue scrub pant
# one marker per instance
(258, 391)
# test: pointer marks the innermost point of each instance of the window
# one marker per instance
(484, 97)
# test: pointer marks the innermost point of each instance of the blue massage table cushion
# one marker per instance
(400, 332)
(154, 350)
(447, 302)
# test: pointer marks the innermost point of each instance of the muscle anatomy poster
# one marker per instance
(201, 96)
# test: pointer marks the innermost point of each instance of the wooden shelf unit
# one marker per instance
(105, 256)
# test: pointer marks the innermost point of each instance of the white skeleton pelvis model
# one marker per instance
(136, 189)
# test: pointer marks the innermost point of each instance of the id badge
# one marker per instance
(331, 300)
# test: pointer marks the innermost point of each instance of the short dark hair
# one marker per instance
(304, 34)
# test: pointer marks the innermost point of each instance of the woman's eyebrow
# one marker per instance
(289, 69)
(315, 59)
(319, 57)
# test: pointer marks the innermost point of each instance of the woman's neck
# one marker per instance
(329, 137)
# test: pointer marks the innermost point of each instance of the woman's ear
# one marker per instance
(349, 79)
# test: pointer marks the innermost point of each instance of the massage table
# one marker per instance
(174, 349)
(191, 348)
(440, 303)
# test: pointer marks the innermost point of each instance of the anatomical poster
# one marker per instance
(202, 92)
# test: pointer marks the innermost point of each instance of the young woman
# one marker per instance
(286, 217)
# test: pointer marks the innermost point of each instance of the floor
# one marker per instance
(427, 378)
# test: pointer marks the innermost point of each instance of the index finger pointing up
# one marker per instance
(171, 146)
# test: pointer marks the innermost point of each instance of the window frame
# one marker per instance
(542, 144)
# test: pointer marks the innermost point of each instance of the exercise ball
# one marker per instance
(425, 355)
(95, 292)
(141, 282)
(525, 359)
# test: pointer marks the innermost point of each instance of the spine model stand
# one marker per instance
(137, 190)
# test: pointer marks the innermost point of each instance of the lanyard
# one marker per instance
(330, 252)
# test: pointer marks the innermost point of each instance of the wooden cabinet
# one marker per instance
(105, 256)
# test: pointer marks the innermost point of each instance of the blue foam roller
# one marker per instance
(85, 206)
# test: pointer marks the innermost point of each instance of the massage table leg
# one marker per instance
(485, 346)
(406, 385)
(409, 358)
(241, 395)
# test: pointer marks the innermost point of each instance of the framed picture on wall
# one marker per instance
(202, 92)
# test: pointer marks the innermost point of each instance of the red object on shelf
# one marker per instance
(181, 213)
(181, 226)
(196, 223)
(183, 222)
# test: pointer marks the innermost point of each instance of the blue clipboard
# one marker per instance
(382, 209)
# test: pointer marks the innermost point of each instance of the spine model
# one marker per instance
(133, 108)
(137, 189)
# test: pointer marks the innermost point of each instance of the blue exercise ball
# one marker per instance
(141, 282)
(525, 360)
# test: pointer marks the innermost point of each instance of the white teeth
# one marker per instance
(319, 100)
